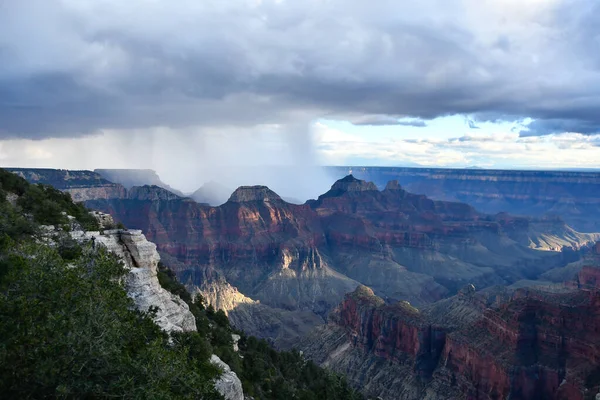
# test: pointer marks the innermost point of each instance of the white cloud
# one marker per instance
(502, 150)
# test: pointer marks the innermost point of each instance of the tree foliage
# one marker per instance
(45, 204)
(70, 331)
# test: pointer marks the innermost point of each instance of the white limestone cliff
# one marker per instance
(229, 385)
(141, 259)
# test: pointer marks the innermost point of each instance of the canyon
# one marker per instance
(303, 259)
(408, 296)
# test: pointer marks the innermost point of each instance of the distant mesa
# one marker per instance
(393, 185)
(351, 184)
(348, 185)
(253, 193)
(151, 192)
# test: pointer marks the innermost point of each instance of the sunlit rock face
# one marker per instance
(222, 296)
(141, 282)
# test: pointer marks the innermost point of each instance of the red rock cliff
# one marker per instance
(397, 332)
(535, 346)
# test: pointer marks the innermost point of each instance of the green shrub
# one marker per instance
(69, 331)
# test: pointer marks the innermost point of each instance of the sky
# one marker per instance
(190, 87)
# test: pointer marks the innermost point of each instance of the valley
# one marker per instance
(408, 296)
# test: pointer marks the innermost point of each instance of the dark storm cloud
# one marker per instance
(70, 68)
(550, 126)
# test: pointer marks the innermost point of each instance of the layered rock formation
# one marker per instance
(574, 196)
(88, 185)
(533, 345)
(141, 260)
(281, 269)
(82, 185)
(304, 258)
(297, 259)
(396, 332)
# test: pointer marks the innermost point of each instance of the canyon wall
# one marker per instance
(533, 345)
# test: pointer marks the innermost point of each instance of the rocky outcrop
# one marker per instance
(395, 332)
(229, 385)
(351, 184)
(109, 191)
(151, 193)
(222, 296)
(105, 220)
(141, 282)
(535, 346)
